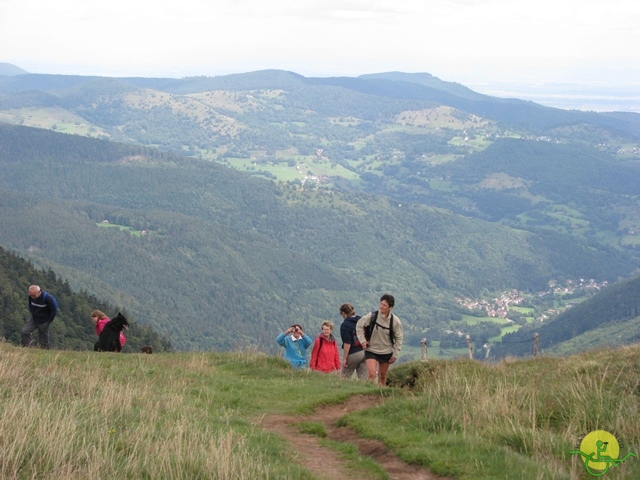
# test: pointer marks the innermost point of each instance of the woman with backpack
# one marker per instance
(352, 352)
(324, 355)
(382, 336)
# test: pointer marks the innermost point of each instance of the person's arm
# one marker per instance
(306, 339)
(53, 308)
(336, 356)
(314, 354)
(100, 325)
(360, 329)
(280, 339)
(345, 353)
(399, 337)
(347, 338)
(345, 334)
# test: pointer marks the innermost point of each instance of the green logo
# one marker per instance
(600, 450)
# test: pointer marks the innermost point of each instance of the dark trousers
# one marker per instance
(43, 333)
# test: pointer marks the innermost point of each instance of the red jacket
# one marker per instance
(325, 356)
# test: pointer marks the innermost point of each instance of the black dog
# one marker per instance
(109, 339)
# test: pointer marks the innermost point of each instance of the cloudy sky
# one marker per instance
(467, 41)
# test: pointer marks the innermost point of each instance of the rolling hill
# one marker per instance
(237, 204)
(410, 135)
(217, 258)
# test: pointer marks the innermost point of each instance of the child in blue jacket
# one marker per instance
(295, 344)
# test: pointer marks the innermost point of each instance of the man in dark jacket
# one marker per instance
(43, 308)
(353, 354)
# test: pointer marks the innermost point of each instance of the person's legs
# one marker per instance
(355, 361)
(382, 373)
(372, 369)
(347, 372)
(27, 332)
(361, 369)
(43, 334)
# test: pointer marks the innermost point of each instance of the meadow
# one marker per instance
(83, 415)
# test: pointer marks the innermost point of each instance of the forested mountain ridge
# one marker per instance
(367, 97)
(72, 329)
(409, 135)
(7, 69)
(563, 183)
(213, 257)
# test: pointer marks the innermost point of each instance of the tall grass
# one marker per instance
(519, 419)
(74, 415)
(82, 415)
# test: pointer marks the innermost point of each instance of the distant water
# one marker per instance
(597, 98)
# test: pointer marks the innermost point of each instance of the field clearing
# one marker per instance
(451, 353)
(441, 185)
(474, 145)
(523, 310)
(471, 320)
(284, 172)
(53, 118)
(630, 240)
(135, 233)
(509, 329)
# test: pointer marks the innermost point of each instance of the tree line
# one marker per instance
(219, 246)
(72, 328)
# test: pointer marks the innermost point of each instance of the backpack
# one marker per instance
(356, 341)
(368, 329)
(53, 300)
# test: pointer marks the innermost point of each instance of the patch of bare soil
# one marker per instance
(327, 463)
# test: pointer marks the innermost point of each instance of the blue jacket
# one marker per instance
(295, 351)
(44, 308)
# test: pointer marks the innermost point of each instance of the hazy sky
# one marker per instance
(594, 41)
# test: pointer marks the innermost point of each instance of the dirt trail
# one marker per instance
(325, 462)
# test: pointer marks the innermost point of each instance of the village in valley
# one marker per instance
(558, 297)
(488, 319)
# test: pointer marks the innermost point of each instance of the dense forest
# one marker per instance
(414, 137)
(72, 328)
(221, 209)
(215, 258)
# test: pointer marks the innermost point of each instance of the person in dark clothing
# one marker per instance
(353, 354)
(43, 308)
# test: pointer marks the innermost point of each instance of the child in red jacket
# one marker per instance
(325, 356)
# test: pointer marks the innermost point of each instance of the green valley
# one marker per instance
(269, 197)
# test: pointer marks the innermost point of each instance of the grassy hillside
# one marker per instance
(201, 415)
(216, 258)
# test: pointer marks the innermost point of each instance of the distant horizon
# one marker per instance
(564, 94)
(471, 42)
